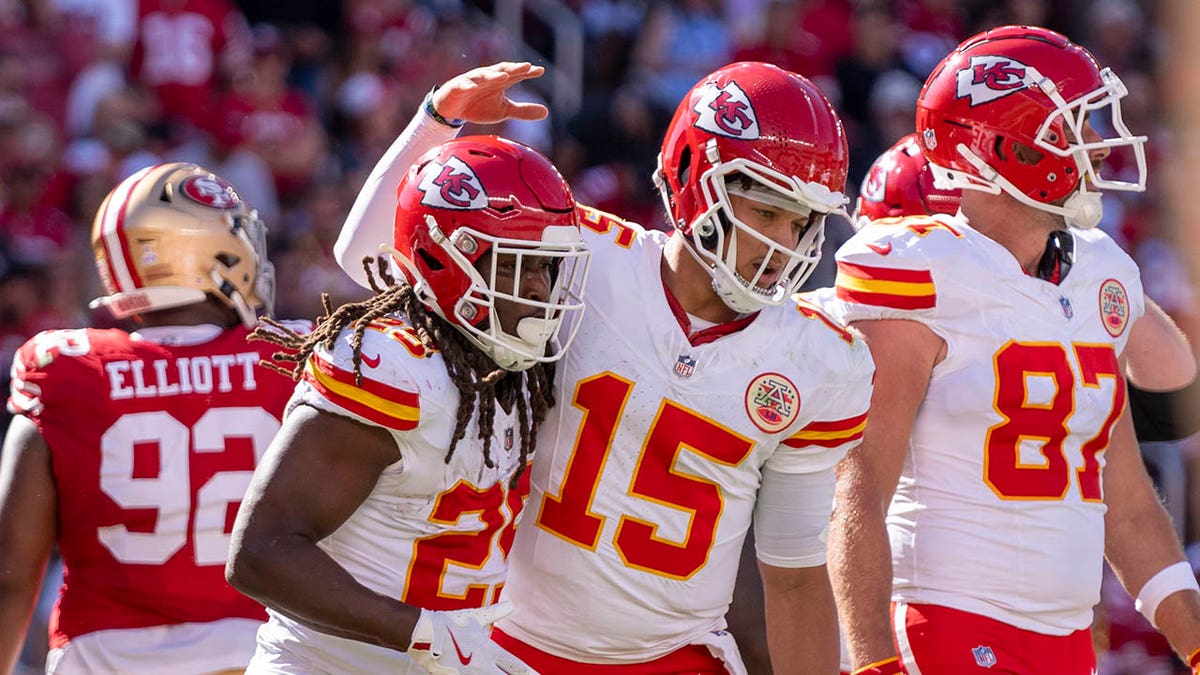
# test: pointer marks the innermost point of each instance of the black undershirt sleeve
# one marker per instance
(1165, 415)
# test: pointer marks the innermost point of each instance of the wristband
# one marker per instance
(1169, 580)
(891, 666)
(1194, 661)
(437, 116)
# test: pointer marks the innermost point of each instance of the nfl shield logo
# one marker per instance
(508, 439)
(1066, 306)
(685, 366)
(984, 656)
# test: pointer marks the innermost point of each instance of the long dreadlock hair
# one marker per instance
(478, 379)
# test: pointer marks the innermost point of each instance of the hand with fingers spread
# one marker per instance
(458, 643)
(480, 95)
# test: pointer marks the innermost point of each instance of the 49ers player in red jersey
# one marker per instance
(131, 451)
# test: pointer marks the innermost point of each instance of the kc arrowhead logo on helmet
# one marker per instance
(875, 186)
(988, 78)
(726, 111)
(452, 185)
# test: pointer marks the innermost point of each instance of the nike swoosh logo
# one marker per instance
(881, 250)
(371, 362)
(464, 658)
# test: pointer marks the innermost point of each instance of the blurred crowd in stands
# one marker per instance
(294, 101)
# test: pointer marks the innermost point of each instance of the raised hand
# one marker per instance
(459, 642)
(480, 95)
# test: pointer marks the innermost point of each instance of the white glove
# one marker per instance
(459, 642)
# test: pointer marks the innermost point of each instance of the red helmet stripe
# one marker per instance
(116, 249)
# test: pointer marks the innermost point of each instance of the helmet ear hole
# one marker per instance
(998, 148)
(228, 259)
(685, 165)
(1026, 154)
(431, 262)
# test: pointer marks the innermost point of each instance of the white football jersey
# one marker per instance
(431, 534)
(650, 463)
(999, 508)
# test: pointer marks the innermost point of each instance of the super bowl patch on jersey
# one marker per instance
(772, 402)
(1114, 307)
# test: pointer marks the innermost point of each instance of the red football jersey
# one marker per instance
(181, 48)
(152, 448)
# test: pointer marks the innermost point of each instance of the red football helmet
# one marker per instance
(778, 130)
(1033, 87)
(176, 234)
(900, 183)
(483, 196)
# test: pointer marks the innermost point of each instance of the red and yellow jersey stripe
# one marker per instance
(377, 402)
(829, 434)
(885, 286)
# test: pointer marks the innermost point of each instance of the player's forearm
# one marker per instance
(1139, 539)
(1139, 543)
(801, 620)
(372, 215)
(1178, 619)
(293, 576)
(860, 567)
(16, 608)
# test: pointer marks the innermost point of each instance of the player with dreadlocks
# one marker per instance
(393, 559)
(478, 379)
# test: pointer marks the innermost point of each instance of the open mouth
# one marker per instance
(767, 282)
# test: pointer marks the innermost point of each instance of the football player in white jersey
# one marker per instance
(1157, 357)
(999, 432)
(701, 398)
(377, 530)
(1158, 361)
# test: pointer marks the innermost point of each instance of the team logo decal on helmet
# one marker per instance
(452, 185)
(988, 78)
(772, 402)
(1114, 307)
(211, 191)
(875, 186)
(726, 111)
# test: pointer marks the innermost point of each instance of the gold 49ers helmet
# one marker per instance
(176, 234)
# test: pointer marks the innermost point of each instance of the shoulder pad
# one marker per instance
(35, 361)
(392, 364)
(886, 266)
(604, 226)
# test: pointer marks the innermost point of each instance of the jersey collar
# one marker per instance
(707, 335)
